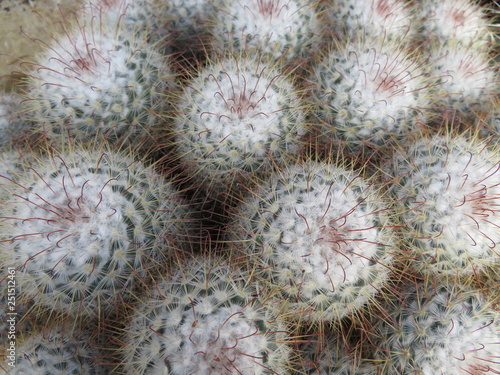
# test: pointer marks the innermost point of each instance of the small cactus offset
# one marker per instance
(320, 234)
(82, 228)
(369, 94)
(440, 329)
(285, 30)
(205, 318)
(98, 79)
(448, 191)
(238, 115)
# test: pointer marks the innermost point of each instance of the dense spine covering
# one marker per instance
(98, 79)
(462, 21)
(206, 318)
(52, 350)
(368, 94)
(321, 235)
(97, 234)
(466, 81)
(138, 16)
(347, 19)
(280, 30)
(238, 115)
(82, 228)
(440, 329)
(448, 190)
(172, 25)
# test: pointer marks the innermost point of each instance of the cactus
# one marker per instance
(205, 318)
(466, 82)
(273, 91)
(51, 350)
(138, 16)
(82, 228)
(462, 21)
(167, 24)
(320, 234)
(369, 94)
(448, 191)
(347, 19)
(439, 329)
(98, 79)
(281, 30)
(237, 116)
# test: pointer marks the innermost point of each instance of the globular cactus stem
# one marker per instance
(99, 79)
(444, 329)
(448, 193)
(205, 318)
(369, 94)
(319, 233)
(83, 228)
(237, 116)
(348, 19)
(286, 31)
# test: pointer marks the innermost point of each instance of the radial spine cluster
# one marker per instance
(319, 233)
(205, 318)
(82, 228)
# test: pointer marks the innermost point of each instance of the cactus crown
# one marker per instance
(466, 80)
(98, 78)
(390, 18)
(368, 96)
(450, 191)
(278, 29)
(319, 233)
(81, 227)
(445, 329)
(235, 115)
(205, 318)
(455, 20)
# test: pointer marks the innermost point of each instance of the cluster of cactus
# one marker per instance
(348, 149)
